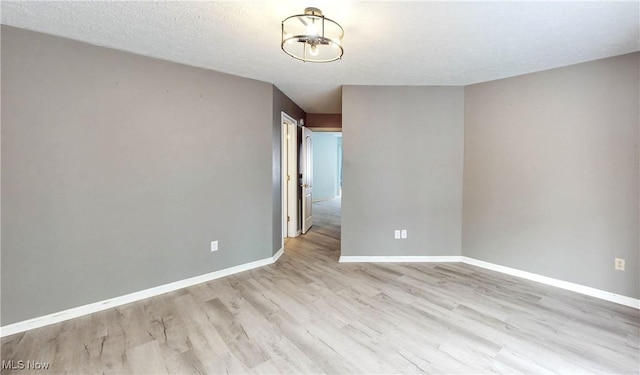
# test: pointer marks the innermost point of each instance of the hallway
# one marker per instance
(324, 236)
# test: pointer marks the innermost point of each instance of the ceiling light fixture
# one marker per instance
(312, 37)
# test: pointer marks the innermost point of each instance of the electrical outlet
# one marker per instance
(214, 246)
(396, 234)
(619, 264)
(404, 234)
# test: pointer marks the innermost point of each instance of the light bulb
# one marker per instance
(314, 50)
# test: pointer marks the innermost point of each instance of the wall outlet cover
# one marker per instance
(396, 234)
(619, 264)
(214, 246)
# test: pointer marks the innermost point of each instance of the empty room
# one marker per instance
(328, 187)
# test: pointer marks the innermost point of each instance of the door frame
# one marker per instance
(288, 181)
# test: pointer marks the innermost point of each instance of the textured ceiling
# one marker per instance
(386, 43)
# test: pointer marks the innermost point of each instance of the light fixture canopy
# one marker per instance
(311, 37)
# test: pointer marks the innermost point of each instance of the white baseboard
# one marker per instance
(589, 291)
(586, 290)
(91, 308)
(398, 259)
(151, 292)
(278, 254)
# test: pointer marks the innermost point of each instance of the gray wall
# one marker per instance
(280, 103)
(551, 173)
(402, 161)
(118, 170)
(325, 165)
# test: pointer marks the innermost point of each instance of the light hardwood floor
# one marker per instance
(309, 314)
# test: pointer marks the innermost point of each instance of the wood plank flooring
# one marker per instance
(309, 314)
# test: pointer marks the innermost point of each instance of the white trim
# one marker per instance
(283, 178)
(398, 259)
(277, 255)
(289, 166)
(292, 165)
(589, 291)
(91, 308)
(151, 292)
(586, 290)
(298, 232)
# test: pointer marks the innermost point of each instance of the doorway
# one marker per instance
(289, 178)
(297, 178)
(327, 179)
(311, 188)
(327, 165)
(311, 164)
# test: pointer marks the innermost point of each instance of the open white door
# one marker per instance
(289, 185)
(307, 179)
